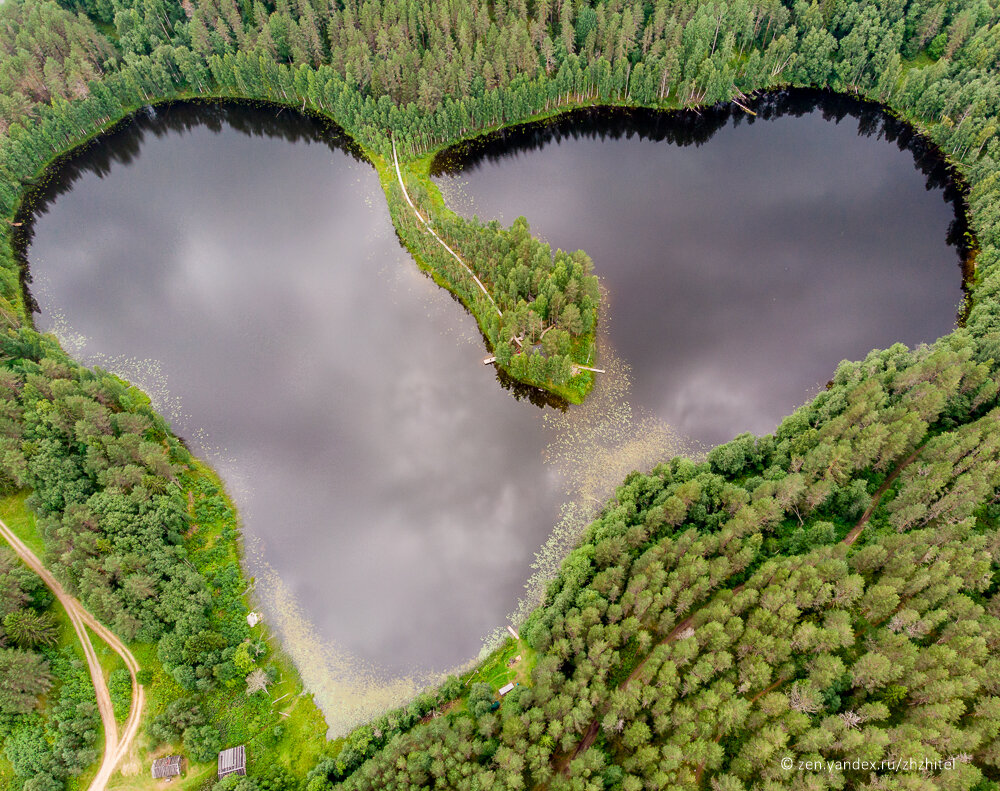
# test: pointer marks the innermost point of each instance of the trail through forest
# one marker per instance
(851, 537)
(116, 745)
(427, 225)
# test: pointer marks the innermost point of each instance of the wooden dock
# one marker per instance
(576, 368)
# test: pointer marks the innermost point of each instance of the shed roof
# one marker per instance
(505, 689)
(232, 761)
(169, 766)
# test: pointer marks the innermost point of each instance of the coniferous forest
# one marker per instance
(814, 609)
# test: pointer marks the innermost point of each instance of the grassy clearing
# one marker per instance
(7, 776)
(194, 776)
(282, 726)
(497, 670)
(109, 660)
(19, 518)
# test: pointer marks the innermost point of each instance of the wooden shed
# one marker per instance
(233, 761)
(167, 767)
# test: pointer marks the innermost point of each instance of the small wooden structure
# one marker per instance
(505, 689)
(233, 761)
(167, 767)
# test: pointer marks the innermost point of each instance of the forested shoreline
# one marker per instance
(827, 592)
(594, 66)
(146, 539)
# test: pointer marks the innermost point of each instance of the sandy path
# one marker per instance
(115, 745)
(427, 225)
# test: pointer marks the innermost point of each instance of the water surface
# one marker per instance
(397, 490)
(743, 257)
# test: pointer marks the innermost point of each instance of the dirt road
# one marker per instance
(115, 746)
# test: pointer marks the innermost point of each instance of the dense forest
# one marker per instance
(59, 743)
(812, 609)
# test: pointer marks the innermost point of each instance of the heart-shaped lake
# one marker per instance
(242, 266)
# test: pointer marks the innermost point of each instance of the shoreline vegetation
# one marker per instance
(724, 587)
(560, 365)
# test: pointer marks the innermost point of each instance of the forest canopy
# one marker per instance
(825, 595)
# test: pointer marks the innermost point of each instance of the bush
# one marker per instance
(202, 742)
(120, 687)
(936, 48)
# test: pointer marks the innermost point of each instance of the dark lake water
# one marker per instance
(240, 264)
(743, 257)
(397, 490)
